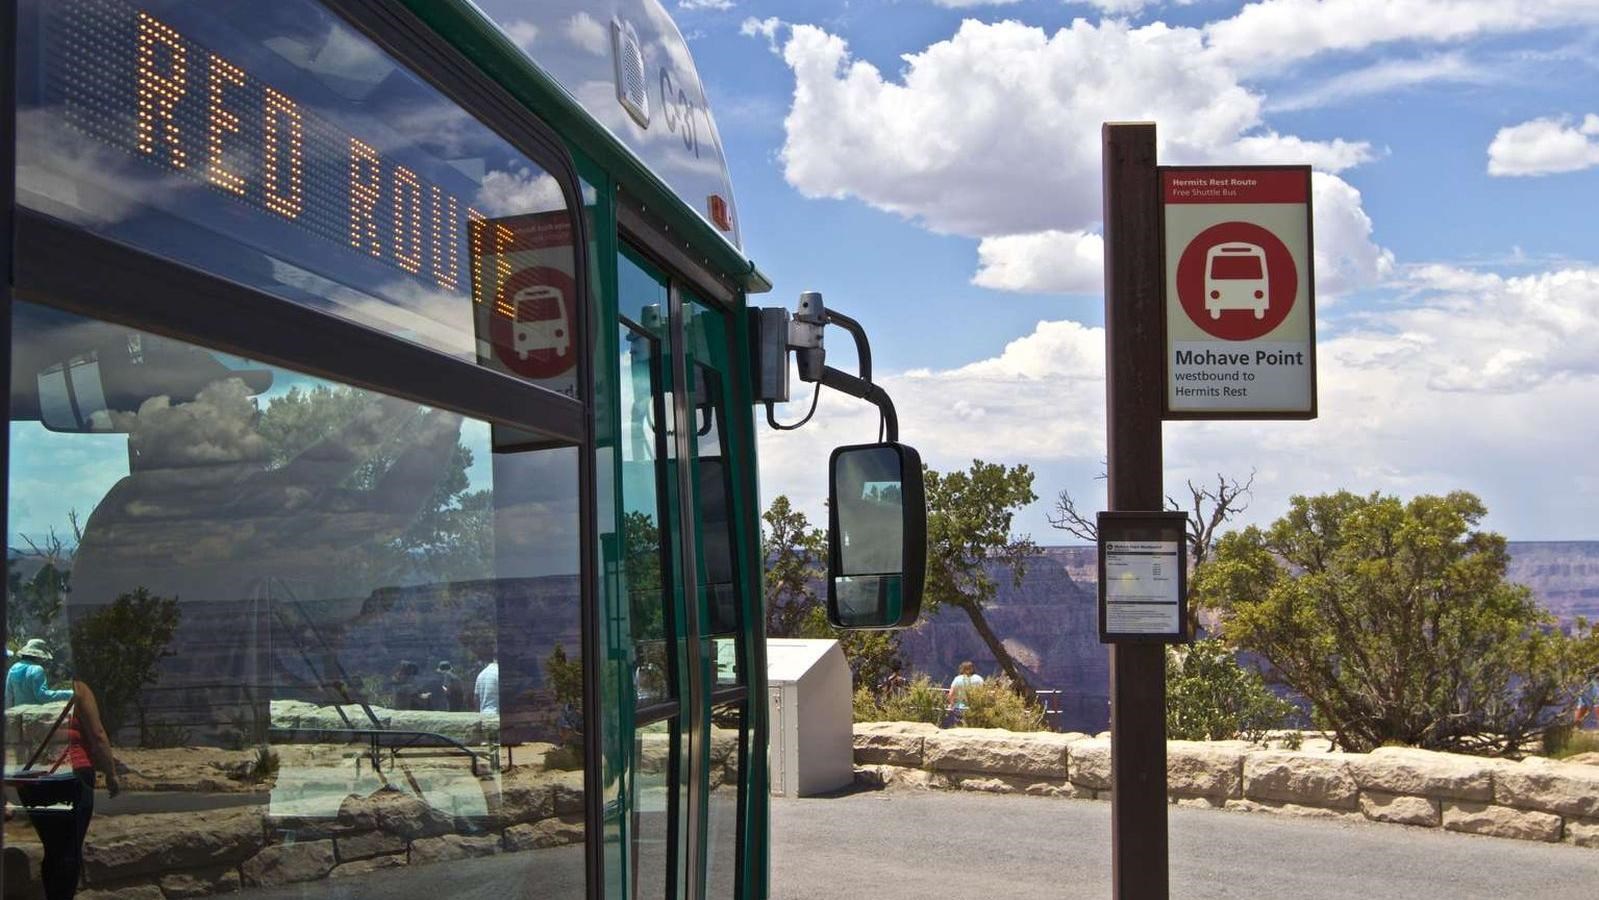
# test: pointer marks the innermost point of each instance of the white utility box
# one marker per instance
(812, 742)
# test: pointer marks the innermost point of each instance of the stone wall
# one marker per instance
(183, 854)
(324, 814)
(1533, 799)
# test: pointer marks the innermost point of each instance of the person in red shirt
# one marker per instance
(88, 751)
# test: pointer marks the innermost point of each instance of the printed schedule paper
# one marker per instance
(1142, 587)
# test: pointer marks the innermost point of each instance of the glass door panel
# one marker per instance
(705, 339)
(720, 594)
(653, 579)
(683, 582)
(654, 804)
(729, 744)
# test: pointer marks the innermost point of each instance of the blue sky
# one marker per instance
(932, 167)
(933, 171)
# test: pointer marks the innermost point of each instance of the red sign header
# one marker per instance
(1243, 185)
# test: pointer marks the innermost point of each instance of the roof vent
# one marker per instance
(631, 90)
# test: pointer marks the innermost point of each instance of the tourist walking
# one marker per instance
(449, 696)
(407, 687)
(486, 690)
(26, 683)
(894, 683)
(61, 832)
(1588, 702)
(959, 687)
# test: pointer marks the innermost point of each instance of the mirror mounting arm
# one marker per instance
(805, 338)
(863, 347)
(865, 390)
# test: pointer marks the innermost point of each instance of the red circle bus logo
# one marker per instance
(1237, 281)
(532, 329)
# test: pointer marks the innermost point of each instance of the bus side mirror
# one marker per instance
(877, 536)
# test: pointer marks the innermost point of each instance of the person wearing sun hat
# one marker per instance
(26, 683)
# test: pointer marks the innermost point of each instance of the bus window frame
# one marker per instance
(8, 186)
(53, 263)
(646, 237)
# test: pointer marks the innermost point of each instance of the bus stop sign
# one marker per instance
(1240, 317)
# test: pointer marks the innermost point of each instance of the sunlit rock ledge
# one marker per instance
(1531, 799)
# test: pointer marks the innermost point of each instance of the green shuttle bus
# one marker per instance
(380, 473)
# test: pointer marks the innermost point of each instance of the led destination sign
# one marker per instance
(158, 95)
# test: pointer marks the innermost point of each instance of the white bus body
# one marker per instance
(1236, 278)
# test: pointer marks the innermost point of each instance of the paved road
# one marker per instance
(955, 846)
(533, 875)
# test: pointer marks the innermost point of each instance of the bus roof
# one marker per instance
(667, 154)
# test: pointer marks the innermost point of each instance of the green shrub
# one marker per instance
(265, 765)
(864, 705)
(1210, 697)
(995, 704)
(117, 651)
(1396, 621)
(919, 701)
(992, 704)
(1561, 741)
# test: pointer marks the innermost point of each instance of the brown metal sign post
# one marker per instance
(1134, 375)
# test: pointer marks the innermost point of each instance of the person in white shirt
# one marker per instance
(487, 689)
(955, 700)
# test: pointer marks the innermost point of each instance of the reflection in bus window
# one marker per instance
(340, 623)
(654, 803)
(644, 569)
(714, 506)
(282, 150)
(724, 803)
(650, 558)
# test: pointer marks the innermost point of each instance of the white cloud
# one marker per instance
(1346, 257)
(984, 135)
(1545, 147)
(994, 130)
(55, 160)
(517, 193)
(1272, 148)
(1381, 78)
(1071, 262)
(968, 4)
(217, 426)
(1270, 33)
(1484, 333)
(1122, 7)
(522, 33)
(586, 32)
(1473, 386)
(1468, 380)
(766, 28)
(722, 5)
(1043, 397)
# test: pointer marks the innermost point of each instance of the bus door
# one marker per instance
(685, 594)
(653, 583)
(711, 436)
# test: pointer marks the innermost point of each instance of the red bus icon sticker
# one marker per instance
(532, 328)
(1237, 281)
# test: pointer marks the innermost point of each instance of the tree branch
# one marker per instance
(1067, 518)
